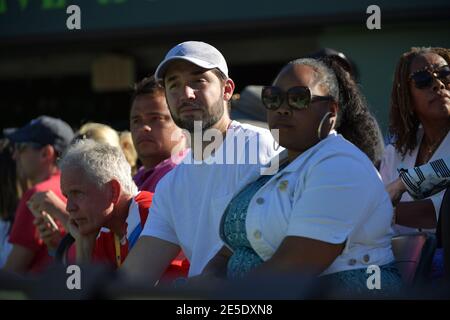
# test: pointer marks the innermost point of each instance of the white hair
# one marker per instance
(101, 163)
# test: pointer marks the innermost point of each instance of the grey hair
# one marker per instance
(101, 162)
(324, 76)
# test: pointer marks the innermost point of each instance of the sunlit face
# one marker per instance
(194, 94)
(154, 132)
(433, 102)
(298, 128)
(87, 204)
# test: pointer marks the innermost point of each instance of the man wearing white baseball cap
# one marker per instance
(196, 58)
(190, 200)
(199, 53)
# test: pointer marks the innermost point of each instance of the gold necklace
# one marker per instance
(431, 148)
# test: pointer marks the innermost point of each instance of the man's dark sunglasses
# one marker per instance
(424, 78)
(297, 97)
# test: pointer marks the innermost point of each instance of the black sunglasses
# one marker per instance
(297, 97)
(424, 78)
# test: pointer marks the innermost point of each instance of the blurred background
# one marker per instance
(85, 75)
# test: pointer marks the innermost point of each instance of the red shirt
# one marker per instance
(105, 249)
(24, 232)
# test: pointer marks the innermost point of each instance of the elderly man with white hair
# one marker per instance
(106, 211)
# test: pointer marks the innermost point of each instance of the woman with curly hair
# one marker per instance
(419, 124)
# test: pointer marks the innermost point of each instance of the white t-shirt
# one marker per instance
(5, 246)
(190, 200)
(393, 161)
(332, 193)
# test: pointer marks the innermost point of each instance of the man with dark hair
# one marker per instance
(37, 147)
(160, 144)
(190, 200)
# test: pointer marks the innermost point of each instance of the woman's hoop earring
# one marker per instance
(278, 145)
(319, 129)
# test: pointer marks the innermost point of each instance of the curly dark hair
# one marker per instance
(403, 123)
(355, 121)
(357, 124)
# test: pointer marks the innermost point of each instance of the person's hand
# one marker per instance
(84, 243)
(396, 190)
(49, 202)
(73, 229)
(48, 233)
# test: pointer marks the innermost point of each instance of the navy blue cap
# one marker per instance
(44, 130)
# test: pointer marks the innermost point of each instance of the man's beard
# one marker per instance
(207, 122)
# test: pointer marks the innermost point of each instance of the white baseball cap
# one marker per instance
(199, 53)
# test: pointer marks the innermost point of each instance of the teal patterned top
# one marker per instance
(234, 234)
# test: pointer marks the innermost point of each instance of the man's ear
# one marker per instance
(48, 153)
(116, 190)
(228, 89)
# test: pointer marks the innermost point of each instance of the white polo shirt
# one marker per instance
(331, 193)
(190, 200)
(393, 161)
